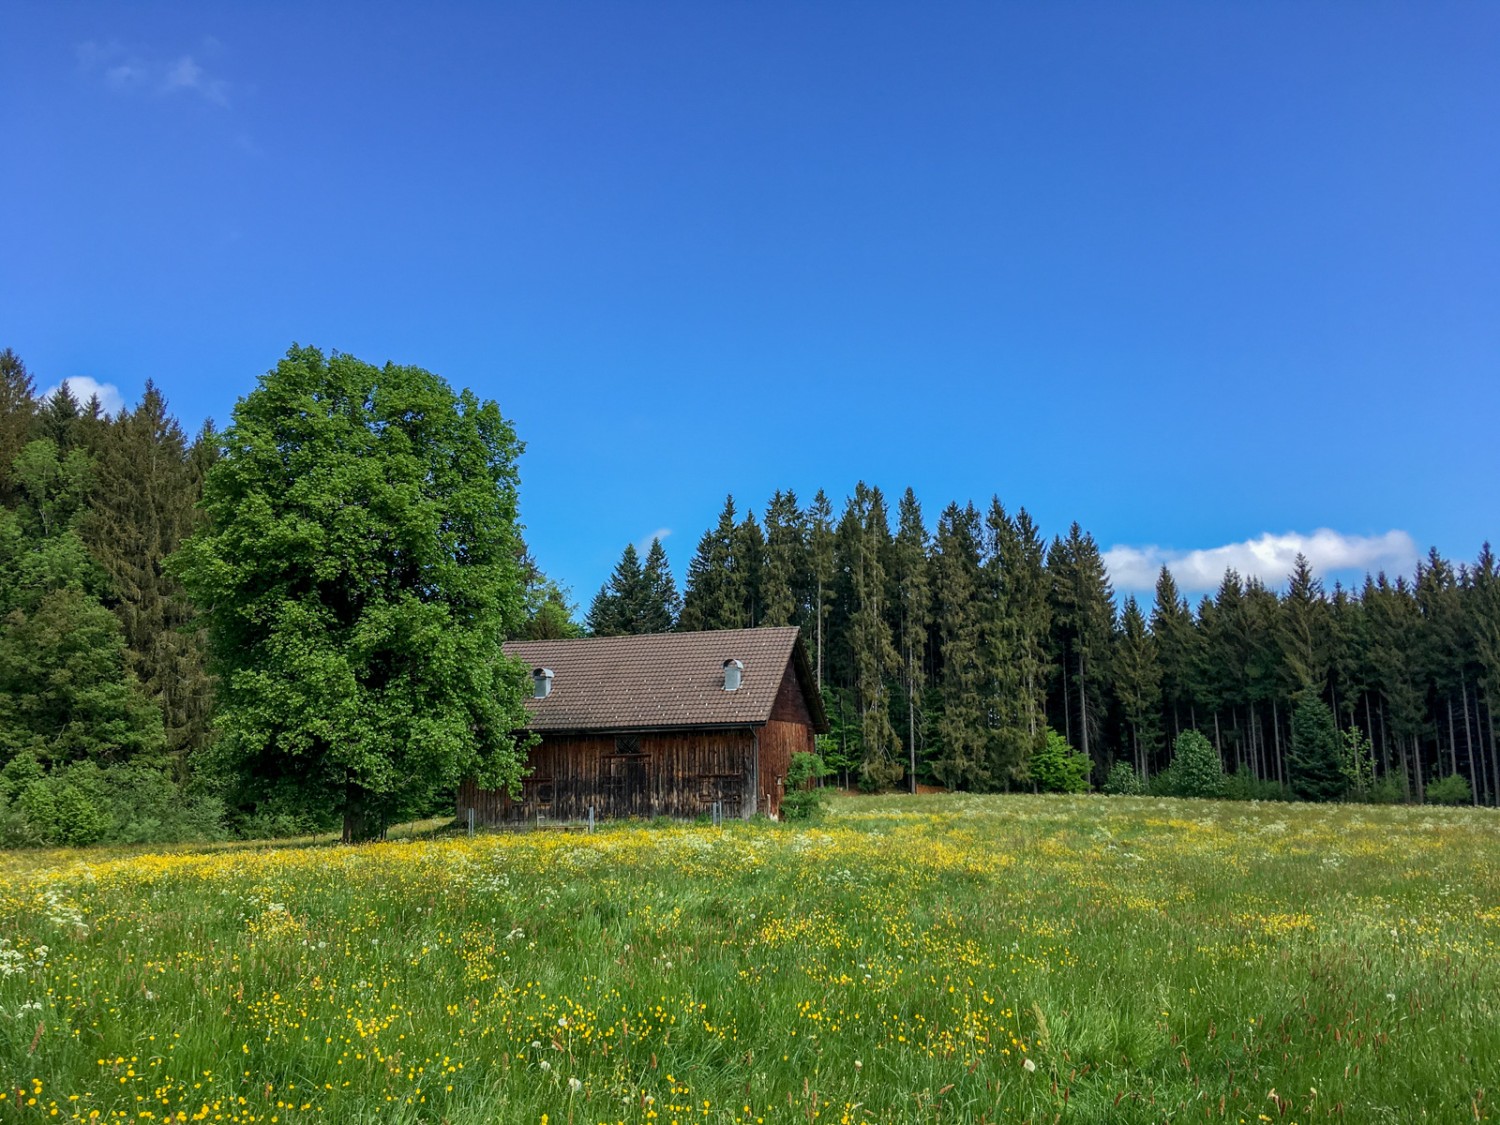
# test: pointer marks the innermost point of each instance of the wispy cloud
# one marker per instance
(187, 74)
(84, 388)
(644, 545)
(1269, 557)
(126, 70)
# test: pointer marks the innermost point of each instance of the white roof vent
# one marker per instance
(541, 682)
(733, 671)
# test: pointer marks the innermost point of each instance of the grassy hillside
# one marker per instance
(929, 959)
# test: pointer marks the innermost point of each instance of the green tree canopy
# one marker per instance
(358, 574)
(1314, 765)
(618, 603)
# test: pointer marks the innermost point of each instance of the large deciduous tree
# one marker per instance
(358, 573)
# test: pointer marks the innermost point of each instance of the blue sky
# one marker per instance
(1204, 277)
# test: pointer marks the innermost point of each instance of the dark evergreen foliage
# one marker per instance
(1313, 763)
(997, 634)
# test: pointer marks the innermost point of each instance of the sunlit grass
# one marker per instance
(931, 958)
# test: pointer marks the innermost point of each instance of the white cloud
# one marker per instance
(126, 71)
(186, 74)
(124, 76)
(1269, 558)
(644, 545)
(84, 388)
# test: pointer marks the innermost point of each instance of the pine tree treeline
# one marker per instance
(947, 653)
(104, 691)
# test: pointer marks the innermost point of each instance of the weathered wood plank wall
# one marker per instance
(677, 774)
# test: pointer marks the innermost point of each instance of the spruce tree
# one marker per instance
(1010, 745)
(1138, 685)
(1440, 648)
(1394, 619)
(661, 605)
(748, 559)
(1305, 629)
(1023, 555)
(959, 756)
(819, 522)
(620, 604)
(1314, 762)
(909, 574)
(1226, 654)
(1266, 680)
(875, 658)
(782, 579)
(1083, 610)
(1172, 626)
(1484, 616)
(59, 419)
(714, 598)
(17, 411)
(142, 507)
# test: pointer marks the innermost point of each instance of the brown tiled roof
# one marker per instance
(665, 679)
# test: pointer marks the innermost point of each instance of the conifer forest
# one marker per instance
(949, 651)
(975, 651)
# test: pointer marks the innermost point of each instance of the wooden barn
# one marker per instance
(660, 725)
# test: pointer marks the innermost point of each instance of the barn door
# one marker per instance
(629, 780)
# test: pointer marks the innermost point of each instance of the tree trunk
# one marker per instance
(911, 727)
(1083, 709)
(1416, 749)
(1489, 714)
(1067, 706)
(359, 825)
(1452, 739)
(1276, 734)
(1476, 780)
(1255, 749)
(1406, 787)
(819, 610)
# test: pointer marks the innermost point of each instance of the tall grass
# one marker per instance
(908, 959)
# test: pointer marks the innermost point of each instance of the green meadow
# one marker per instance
(943, 958)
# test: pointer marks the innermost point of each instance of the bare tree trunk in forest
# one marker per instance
(1276, 734)
(1406, 788)
(1385, 744)
(820, 634)
(1255, 749)
(1218, 745)
(1489, 714)
(1176, 722)
(911, 728)
(1067, 707)
(1416, 749)
(1083, 709)
(1452, 741)
(1476, 780)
